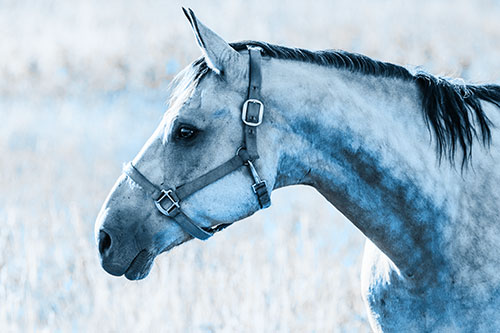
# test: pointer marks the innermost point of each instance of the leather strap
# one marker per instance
(260, 190)
(210, 177)
(189, 226)
(253, 109)
(134, 174)
(254, 114)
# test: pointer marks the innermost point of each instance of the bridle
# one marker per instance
(252, 115)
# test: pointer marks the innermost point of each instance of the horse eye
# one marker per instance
(186, 133)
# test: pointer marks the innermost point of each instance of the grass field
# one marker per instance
(82, 86)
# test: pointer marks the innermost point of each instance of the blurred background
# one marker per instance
(83, 85)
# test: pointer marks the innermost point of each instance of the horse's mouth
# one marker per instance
(141, 265)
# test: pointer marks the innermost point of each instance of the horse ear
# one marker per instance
(217, 52)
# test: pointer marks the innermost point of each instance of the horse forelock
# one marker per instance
(452, 109)
(184, 83)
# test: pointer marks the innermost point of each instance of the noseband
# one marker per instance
(252, 114)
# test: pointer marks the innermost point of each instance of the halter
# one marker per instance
(252, 114)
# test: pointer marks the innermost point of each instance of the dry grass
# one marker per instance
(74, 80)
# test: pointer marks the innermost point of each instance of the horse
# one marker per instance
(409, 158)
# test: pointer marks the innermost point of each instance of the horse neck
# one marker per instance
(362, 142)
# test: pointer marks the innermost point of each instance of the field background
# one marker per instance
(82, 86)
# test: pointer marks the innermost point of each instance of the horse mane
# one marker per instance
(452, 109)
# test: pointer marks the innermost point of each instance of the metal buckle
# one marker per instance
(245, 109)
(259, 184)
(253, 171)
(169, 210)
(258, 181)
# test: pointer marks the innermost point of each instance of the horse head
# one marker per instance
(200, 131)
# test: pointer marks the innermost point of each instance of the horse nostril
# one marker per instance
(104, 242)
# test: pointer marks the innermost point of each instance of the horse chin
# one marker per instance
(141, 265)
(181, 240)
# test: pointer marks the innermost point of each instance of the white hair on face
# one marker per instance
(183, 85)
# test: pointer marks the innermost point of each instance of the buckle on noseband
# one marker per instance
(245, 111)
(173, 201)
